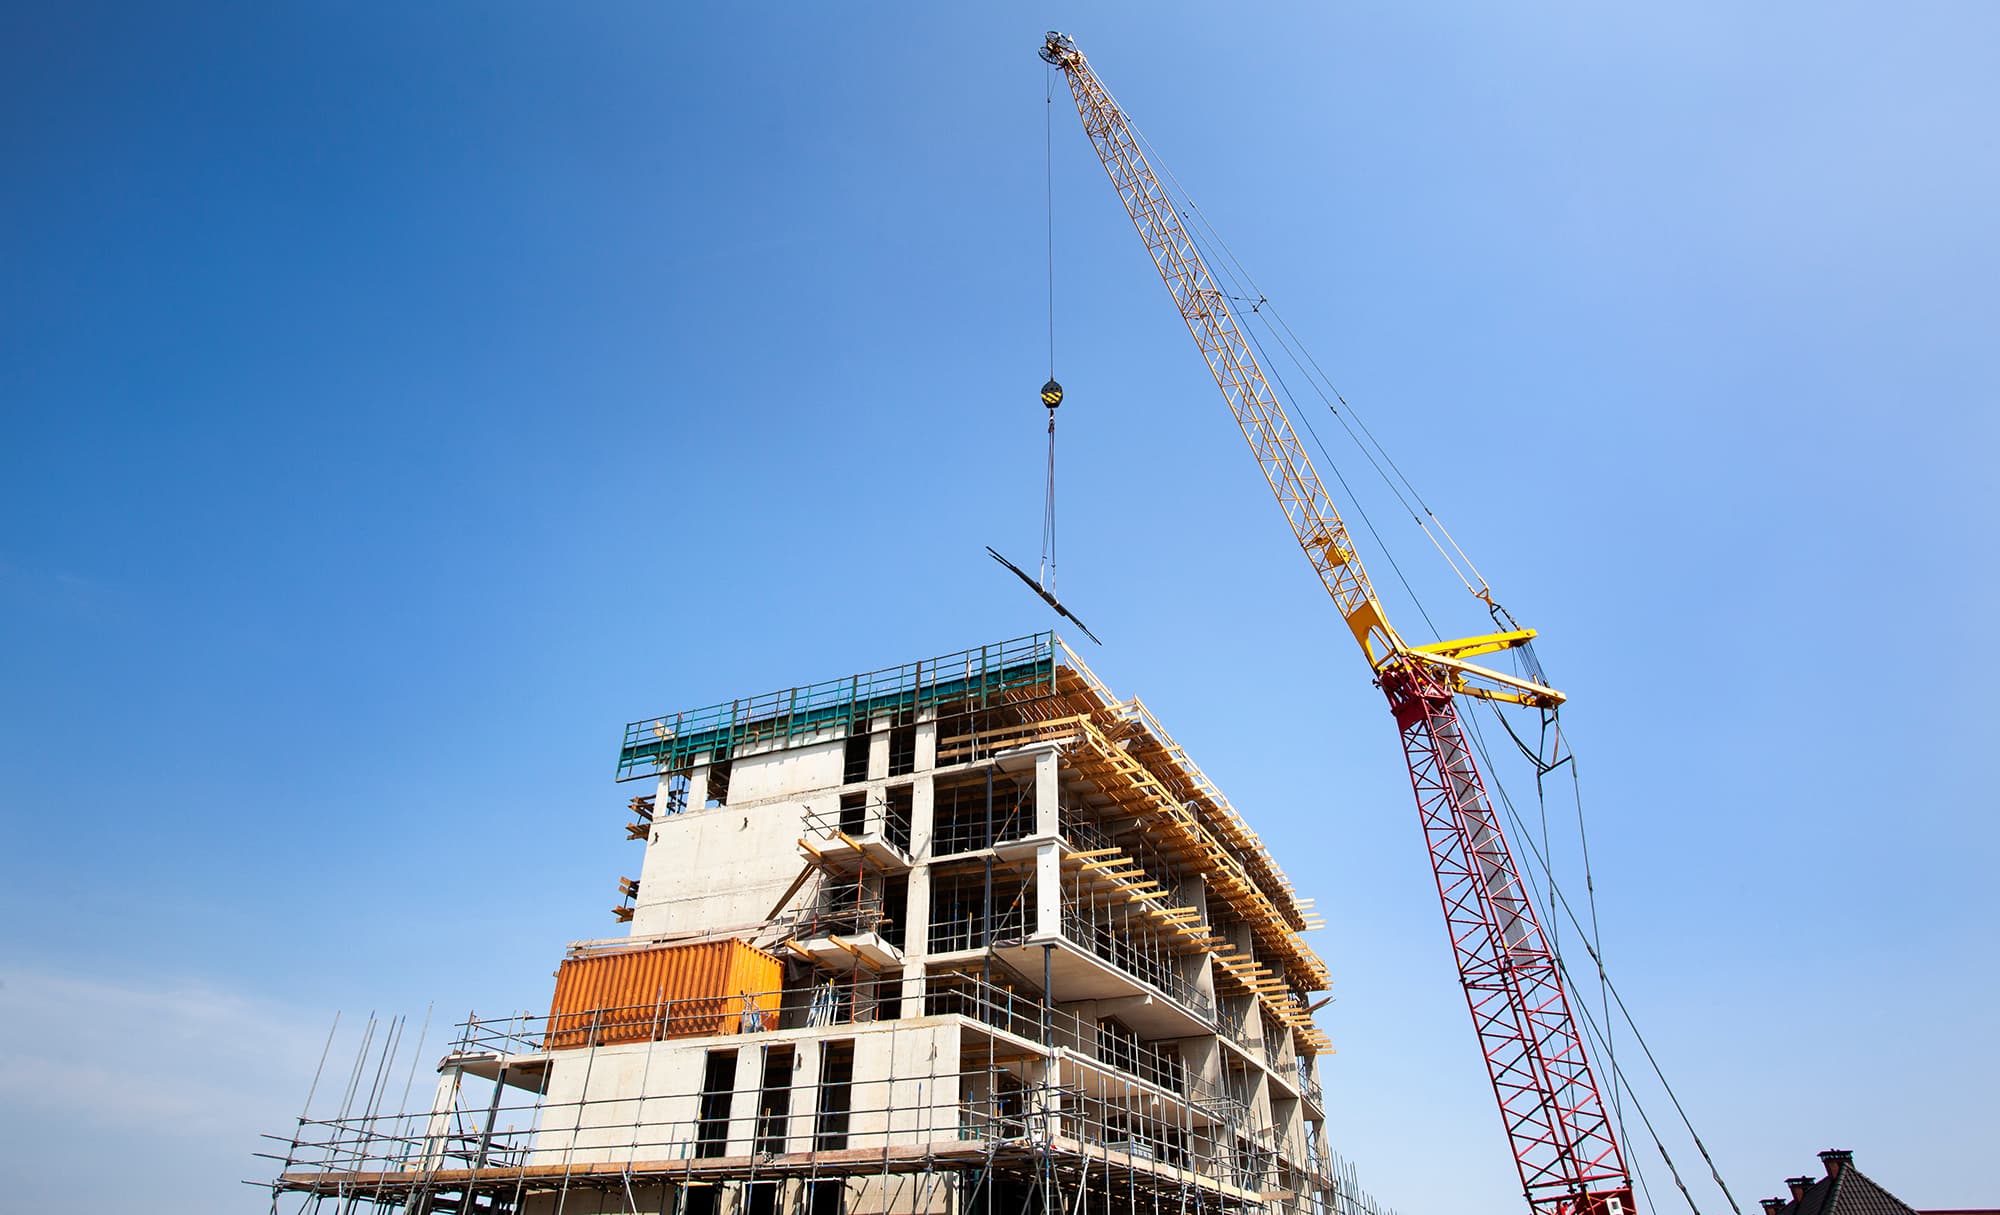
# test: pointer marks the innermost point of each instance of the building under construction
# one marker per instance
(963, 935)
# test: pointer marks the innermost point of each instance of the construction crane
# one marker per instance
(1563, 1142)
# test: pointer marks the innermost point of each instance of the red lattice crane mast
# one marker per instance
(1563, 1142)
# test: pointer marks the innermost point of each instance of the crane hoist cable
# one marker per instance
(1230, 267)
(1052, 392)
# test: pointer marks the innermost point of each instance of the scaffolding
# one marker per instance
(997, 811)
(977, 678)
(1042, 1103)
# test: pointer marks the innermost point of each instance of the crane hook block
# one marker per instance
(1052, 394)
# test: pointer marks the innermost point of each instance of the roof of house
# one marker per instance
(1845, 1190)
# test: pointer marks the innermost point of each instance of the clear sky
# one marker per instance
(398, 401)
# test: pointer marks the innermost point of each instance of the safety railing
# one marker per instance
(1234, 1024)
(957, 829)
(829, 1003)
(516, 1137)
(1309, 1082)
(956, 928)
(1024, 1016)
(1112, 1098)
(975, 678)
(1125, 941)
(839, 909)
(888, 820)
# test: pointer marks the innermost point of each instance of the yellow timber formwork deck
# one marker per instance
(1121, 750)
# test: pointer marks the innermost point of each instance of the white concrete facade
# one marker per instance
(1028, 961)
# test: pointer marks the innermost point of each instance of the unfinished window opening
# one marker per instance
(889, 998)
(964, 736)
(718, 1084)
(1233, 1018)
(895, 909)
(854, 813)
(1010, 1104)
(997, 1193)
(1118, 1044)
(836, 1096)
(902, 802)
(903, 744)
(827, 1198)
(677, 795)
(845, 908)
(698, 1198)
(962, 916)
(854, 769)
(1274, 1036)
(760, 1198)
(963, 822)
(774, 1098)
(718, 784)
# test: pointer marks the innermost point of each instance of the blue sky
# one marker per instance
(399, 401)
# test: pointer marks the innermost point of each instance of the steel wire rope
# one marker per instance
(1228, 266)
(1304, 360)
(1609, 986)
(1049, 514)
(1278, 317)
(1228, 259)
(1261, 303)
(1048, 570)
(1049, 199)
(1264, 360)
(1284, 387)
(1592, 936)
(1599, 1036)
(1546, 758)
(1552, 718)
(1180, 194)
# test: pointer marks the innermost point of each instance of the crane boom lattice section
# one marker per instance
(1563, 1142)
(1564, 1147)
(1294, 481)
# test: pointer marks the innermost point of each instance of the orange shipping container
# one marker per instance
(674, 991)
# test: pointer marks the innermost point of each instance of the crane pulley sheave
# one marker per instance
(1563, 1143)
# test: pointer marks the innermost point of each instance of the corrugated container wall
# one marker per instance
(676, 991)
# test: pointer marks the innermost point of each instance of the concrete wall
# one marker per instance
(642, 1101)
(908, 1194)
(724, 868)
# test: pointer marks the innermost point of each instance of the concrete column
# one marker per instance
(1203, 1057)
(878, 749)
(438, 1130)
(1048, 794)
(1048, 890)
(805, 1095)
(917, 930)
(927, 740)
(660, 803)
(1193, 892)
(923, 817)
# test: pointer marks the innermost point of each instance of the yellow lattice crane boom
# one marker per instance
(1564, 1148)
